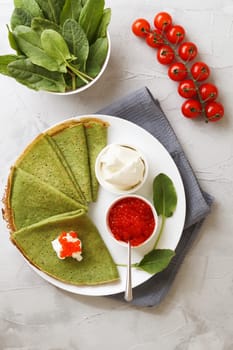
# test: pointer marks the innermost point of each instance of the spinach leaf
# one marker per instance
(54, 36)
(79, 82)
(97, 56)
(35, 77)
(69, 82)
(12, 41)
(29, 5)
(164, 198)
(102, 30)
(71, 10)
(156, 260)
(77, 41)
(4, 61)
(164, 195)
(51, 9)
(55, 46)
(39, 24)
(29, 43)
(20, 17)
(90, 18)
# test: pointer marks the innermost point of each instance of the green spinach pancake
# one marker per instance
(48, 191)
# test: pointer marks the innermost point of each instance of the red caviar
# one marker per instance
(70, 244)
(131, 219)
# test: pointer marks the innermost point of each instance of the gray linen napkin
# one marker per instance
(141, 108)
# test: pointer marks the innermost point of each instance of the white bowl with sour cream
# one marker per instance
(121, 168)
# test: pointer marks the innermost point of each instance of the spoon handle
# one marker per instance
(128, 288)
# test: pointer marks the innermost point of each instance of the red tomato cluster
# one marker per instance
(168, 38)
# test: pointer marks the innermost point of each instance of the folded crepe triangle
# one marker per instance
(30, 200)
(43, 161)
(97, 265)
(71, 140)
(96, 136)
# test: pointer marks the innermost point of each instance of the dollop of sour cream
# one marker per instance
(67, 244)
(122, 167)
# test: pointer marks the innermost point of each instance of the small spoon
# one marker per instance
(128, 287)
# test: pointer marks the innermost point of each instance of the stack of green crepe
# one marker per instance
(55, 176)
(70, 139)
(33, 200)
(80, 143)
(45, 162)
(95, 134)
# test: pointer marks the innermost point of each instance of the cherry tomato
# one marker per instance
(177, 71)
(154, 39)
(165, 54)
(214, 111)
(191, 108)
(141, 27)
(208, 92)
(187, 51)
(187, 88)
(163, 21)
(175, 34)
(200, 71)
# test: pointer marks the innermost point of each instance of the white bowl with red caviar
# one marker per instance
(132, 218)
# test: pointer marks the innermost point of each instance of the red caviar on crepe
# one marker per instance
(67, 244)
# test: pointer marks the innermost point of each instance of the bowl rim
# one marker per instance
(86, 86)
(156, 217)
(112, 189)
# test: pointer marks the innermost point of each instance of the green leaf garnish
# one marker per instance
(164, 198)
(156, 260)
(165, 201)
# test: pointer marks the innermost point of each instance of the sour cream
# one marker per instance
(121, 166)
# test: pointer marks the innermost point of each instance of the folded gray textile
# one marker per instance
(141, 108)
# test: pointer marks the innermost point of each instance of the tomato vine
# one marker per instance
(178, 55)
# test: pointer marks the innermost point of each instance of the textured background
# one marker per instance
(197, 313)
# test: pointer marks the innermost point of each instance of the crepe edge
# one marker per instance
(73, 122)
(7, 212)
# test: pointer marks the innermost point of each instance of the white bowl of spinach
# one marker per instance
(61, 46)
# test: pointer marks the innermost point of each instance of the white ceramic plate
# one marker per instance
(159, 161)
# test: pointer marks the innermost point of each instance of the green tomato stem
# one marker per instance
(160, 231)
(179, 59)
